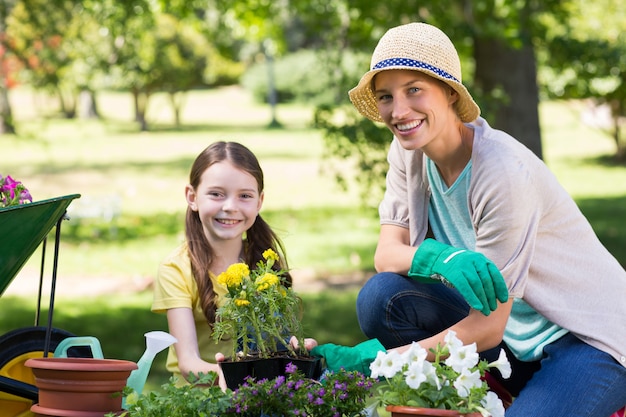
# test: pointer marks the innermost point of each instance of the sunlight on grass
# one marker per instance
(574, 152)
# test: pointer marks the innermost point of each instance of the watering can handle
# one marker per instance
(69, 342)
(156, 341)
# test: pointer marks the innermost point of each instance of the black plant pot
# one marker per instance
(235, 372)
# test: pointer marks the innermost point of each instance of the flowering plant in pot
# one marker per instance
(455, 380)
(262, 313)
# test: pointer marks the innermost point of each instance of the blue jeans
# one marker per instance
(572, 379)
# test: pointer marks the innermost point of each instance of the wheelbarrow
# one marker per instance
(23, 229)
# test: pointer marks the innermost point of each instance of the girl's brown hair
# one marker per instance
(259, 237)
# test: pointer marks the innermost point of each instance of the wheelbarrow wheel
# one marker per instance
(16, 347)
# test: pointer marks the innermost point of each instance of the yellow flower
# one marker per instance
(239, 270)
(233, 276)
(269, 254)
(265, 281)
(240, 303)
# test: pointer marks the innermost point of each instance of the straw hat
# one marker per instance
(419, 47)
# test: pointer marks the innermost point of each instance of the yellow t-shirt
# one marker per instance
(175, 287)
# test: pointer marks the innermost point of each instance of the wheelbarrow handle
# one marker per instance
(19, 388)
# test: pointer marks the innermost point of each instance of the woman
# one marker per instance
(467, 205)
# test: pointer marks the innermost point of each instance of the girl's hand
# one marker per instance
(308, 343)
(219, 357)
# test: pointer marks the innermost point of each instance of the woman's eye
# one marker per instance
(384, 97)
(413, 90)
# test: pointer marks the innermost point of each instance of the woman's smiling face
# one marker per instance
(227, 200)
(414, 106)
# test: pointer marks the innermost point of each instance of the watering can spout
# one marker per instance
(156, 341)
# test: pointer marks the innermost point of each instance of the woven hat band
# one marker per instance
(412, 63)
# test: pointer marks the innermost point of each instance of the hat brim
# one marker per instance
(363, 99)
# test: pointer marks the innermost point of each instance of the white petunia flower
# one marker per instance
(415, 353)
(376, 365)
(430, 372)
(386, 364)
(451, 340)
(415, 375)
(462, 357)
(493, 405)
(502, 364)
(466, 381)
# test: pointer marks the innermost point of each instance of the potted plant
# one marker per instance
(451, 385)
(262, 314)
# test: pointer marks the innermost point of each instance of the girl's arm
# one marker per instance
(181, 325)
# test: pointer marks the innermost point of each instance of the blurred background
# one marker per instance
(113, 100)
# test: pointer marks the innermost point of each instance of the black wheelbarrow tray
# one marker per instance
(23, 229)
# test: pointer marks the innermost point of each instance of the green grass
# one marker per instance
(326, 230)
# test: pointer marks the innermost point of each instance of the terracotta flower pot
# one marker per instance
(235, 372)
(85, 387)
(404, 411)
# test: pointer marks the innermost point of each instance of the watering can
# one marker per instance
(156, 341)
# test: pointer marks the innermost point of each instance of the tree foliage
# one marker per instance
(585, 58)
(69, 46)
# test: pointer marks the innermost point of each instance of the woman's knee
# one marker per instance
(373, 299)
(399, 310)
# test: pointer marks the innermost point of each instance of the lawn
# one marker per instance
(138, 179)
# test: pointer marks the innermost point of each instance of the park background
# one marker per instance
(84, 117)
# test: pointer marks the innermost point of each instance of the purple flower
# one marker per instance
(290, 368)
(279, 381)
(13, 192)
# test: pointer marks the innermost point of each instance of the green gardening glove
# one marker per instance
(477, 278)
(357, 358)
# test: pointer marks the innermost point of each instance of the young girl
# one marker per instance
(477, 236)
(223, 226)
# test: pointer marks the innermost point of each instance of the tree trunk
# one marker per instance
(141, 104)
(511, 74)
(176, 106)
(6, 116)
(88, 108)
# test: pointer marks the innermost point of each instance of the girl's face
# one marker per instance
(415, 107)
(227, 201)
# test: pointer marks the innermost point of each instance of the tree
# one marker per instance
(182, 54)
(586, 59)
(35, 35)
